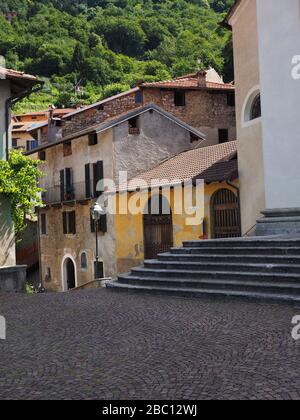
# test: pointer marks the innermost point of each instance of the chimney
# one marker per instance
(201, 75)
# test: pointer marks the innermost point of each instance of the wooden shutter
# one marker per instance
(88, 181)
(72, 222)
(62, 185)
(93, 227)
(69, 183)
(98, 176)
(65, 222)
(103, 224)
(43, 224)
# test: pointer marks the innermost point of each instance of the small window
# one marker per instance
(15, 143)
(194, 138)
(31, 145)
(223, 135)
(67, 149)
(102, 224)
(255, 108)
(83, 261)
(139, 97)
(43, 224)
(179, 98)
(48, 274)
(93, 139)
(231, 99)
(101, 107)
(42, 155)
(133, 126)
(69, 222)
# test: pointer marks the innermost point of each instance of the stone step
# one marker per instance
(208, 293)
(268, 259)
(237, 250)
(255, 242)
(221, 266)
(238, 285)
(213, 274)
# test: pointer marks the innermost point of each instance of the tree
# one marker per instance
(19, 177)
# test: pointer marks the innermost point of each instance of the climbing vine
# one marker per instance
(19, 177)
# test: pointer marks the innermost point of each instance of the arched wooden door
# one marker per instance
(226, 220)
(158, 228)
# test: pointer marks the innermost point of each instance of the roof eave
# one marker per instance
(226, 22)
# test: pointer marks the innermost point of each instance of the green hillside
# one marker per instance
(86, 50)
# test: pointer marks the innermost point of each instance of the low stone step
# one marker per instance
(256, 242)
(237, 250)
(208, 293)
(212, 274)
(221, 266)
(245, 285)
(268, 259)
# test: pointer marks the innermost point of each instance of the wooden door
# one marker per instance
(226, 221)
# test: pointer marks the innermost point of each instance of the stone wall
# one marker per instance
(7, 237)
(205, 110)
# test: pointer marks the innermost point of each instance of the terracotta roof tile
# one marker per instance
(188, 165)
(189, 81)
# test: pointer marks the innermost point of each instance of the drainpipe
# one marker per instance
(7, 122)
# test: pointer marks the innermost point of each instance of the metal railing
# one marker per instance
(75, 192)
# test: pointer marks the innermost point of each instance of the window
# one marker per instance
(15, 143)
(67, 149)
(69, 222)
(139, 97)
(93, 139)
(98, 177)
(43, 221)
(223, 135)
(67, 192)
(255, 108)
(133, 126)
(102, 224)
(179, 98)
(42, 155)
(231, 99)
(48, 274)
(193, 138)
(31, 145)
(83, 261)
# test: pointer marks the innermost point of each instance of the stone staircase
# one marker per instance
(260, 268)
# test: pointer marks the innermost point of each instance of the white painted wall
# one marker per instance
(279, 41)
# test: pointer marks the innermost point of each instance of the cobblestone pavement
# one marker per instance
(100, 344)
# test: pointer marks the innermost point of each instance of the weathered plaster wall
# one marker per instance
(7, 237)
(159, 139)
(130, 233)
(279, 34)
(250, 148)
(205, 110)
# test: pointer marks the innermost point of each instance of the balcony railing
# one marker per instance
(76, 192)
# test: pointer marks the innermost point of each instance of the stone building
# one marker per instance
(201, 100)
(266, 37)
(13, 86)
(74, 165)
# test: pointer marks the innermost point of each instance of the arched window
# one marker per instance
(255, 108)
(83, 261)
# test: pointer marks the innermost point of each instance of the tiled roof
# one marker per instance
(231, 13)
(190, 81)
(193, 164)
(20, 82)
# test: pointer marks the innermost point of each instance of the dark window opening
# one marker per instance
(42, 155)
(179, 98)
(102, 224)
(223, 135)
(139, 97)
(93, 139)
(67, 149)
(230, 99)
(194, 138)
(133, 126)
(83, 261)
(69, 222)
(15, 143)
(101, 107)
(43, 224)
(48, 275)
(255, 108)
